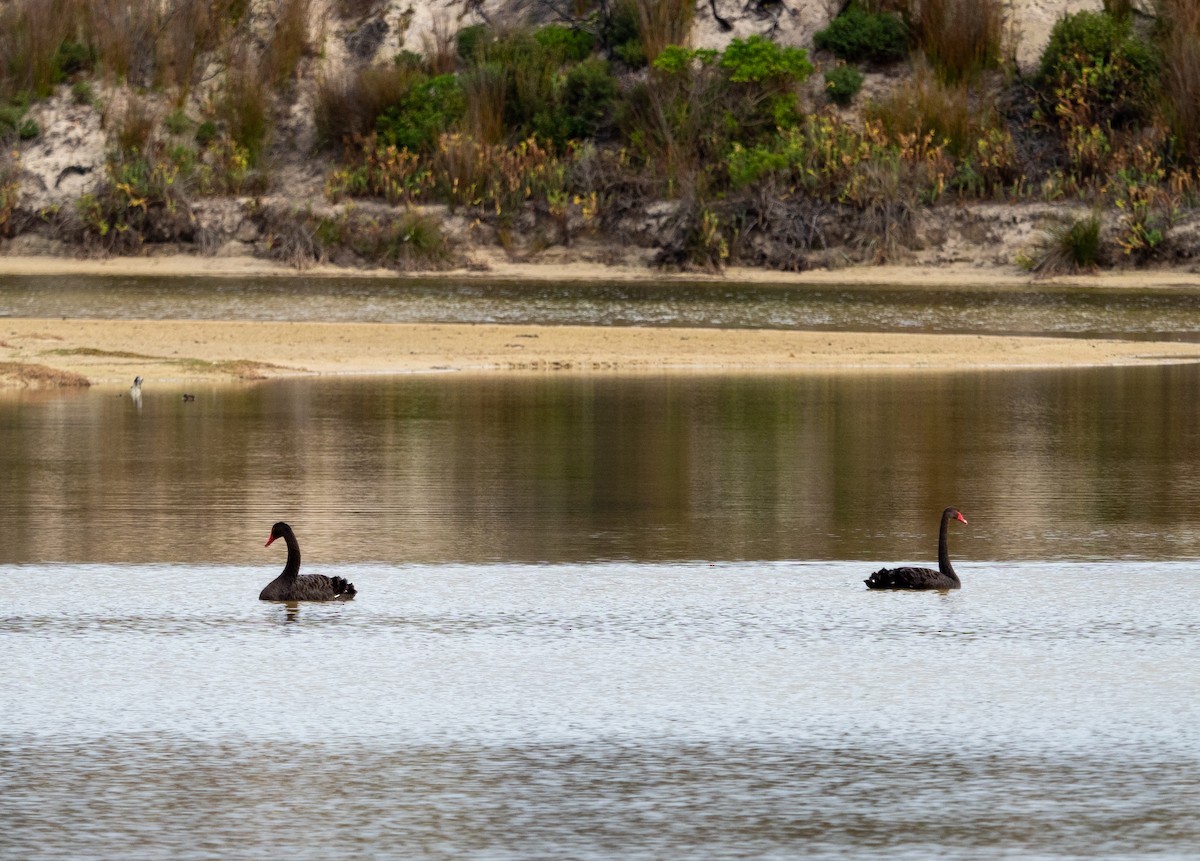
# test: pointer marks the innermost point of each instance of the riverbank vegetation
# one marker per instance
(765, 153)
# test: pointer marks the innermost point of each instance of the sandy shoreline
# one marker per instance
(495, 265)
(48, 352)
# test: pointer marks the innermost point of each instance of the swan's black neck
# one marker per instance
(292, 568)
(943, 551)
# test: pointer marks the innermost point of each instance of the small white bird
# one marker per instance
(135, 391)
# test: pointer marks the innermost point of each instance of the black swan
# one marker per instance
(923, 578)
(290, 586)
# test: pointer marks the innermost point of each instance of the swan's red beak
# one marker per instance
(272, 538)
(960, 517)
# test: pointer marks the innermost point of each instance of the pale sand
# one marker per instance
(114, 351)
(495, 265)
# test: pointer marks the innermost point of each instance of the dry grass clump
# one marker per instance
(662, 23)
(960, 38)
(33, 376)
(926, 106)
(1181, 73)
(290, 40)
(245, 105)
(346, 105)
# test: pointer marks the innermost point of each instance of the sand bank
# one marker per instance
(114, 351)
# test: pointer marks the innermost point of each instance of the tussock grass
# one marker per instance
(1071, 245)
(926, 106)
(662, 23)
(346, 106)
(1181, 74)
(290, 40)
(960, 38)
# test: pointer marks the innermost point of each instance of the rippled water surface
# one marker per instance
(604, 619)
(1126, 313)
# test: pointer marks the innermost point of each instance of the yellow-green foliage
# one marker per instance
(462, 172)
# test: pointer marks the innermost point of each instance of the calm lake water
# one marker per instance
(604, 619)
(1172, 314)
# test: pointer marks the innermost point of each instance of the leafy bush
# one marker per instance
(206, 133)
(619, 34)
(698, 103)
(758, 60)
(842, 84)
(858, 35)
(587, 98)
(573, 45)
(471, 41)
(140, 200)
(1096, 66)
(430, 107)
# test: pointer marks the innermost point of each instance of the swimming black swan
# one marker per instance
(289, 586)
(922, 578)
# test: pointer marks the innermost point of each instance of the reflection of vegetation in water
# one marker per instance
(575, 467)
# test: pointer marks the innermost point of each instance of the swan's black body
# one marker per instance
(290, 586)
(923, 578)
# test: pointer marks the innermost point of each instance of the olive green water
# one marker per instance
(604, 619)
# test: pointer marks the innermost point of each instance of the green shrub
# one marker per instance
(10, 120)
(587, 98)
(842, 84)
(140, 200)
(759, 60)
(471, 41)
(72, 58)
(177, 122)
(619, 33)
(858, 35)
(573, 45)
(206, 133)
(82, 93)
(430, 107)
(28, 129)
(1096, 67)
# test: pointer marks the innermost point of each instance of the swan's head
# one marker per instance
(279, 530)
(955, 514)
